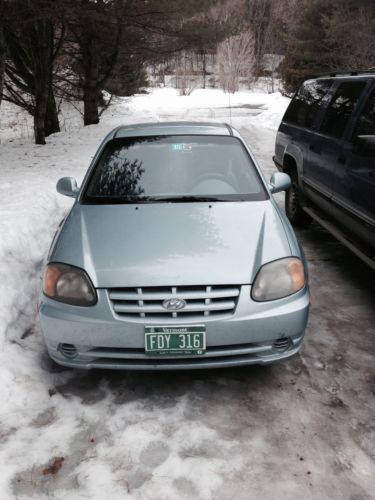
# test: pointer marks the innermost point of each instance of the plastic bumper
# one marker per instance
(104, 340)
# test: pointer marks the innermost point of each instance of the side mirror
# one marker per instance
(365, 145)
(67, 186)
(279, 182)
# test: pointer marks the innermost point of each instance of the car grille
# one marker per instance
(200, 301)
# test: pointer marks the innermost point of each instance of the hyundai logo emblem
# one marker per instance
(174, 304)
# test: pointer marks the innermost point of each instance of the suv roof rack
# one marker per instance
(346, 73)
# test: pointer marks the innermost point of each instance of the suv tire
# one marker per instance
(293, 207)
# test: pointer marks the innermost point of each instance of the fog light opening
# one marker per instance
(68, 350)
(282, 344)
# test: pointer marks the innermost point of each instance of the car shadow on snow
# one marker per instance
(166, 387)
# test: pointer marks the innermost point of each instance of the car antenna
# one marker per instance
(230, 109)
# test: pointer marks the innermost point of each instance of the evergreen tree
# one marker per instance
(308, 50)
(32, 44)
(111, 41)
(106, 45)
(329, 36)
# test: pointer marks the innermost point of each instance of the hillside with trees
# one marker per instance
(86, 51)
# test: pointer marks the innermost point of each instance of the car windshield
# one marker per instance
(174, 168)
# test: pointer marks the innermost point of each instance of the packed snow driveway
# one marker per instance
(301, 429)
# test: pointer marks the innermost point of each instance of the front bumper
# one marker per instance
(104, 340)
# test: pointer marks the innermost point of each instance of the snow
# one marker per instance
(205, 435)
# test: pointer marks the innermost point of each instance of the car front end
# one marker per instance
(206, 279)
(248, 333)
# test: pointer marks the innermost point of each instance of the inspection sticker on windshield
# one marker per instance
(183, 147)
(175, 340)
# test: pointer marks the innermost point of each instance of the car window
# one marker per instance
(304, 106)
(341, 108)
(145, 168)
(366, 121)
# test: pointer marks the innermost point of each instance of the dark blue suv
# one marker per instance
(326, 143)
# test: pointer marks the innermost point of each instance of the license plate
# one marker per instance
(175, 341)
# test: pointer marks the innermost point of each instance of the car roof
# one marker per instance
(172, 128)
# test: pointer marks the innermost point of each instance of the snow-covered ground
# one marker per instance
(297, 430)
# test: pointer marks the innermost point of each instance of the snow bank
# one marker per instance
(273, 111)
(263, 109)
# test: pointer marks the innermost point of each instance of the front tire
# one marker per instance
(293, 206)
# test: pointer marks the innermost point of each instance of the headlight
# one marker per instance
(68, 284)
(278, 279)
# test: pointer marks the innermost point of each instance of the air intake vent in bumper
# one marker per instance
(68, 350)
(282, 344)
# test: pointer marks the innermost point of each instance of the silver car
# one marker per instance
(174, 256)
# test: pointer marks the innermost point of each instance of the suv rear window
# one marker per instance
(306, 103)
(341, 108)
(174, 168)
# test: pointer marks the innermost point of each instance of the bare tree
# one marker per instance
(186, 78)
(235, 58)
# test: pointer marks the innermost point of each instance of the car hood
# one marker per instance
(167, 244)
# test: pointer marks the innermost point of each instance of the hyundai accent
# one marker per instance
(174, 256)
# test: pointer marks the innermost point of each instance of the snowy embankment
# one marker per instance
(32, 430)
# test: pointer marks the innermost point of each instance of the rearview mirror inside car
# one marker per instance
(279, 182)
(67, 186)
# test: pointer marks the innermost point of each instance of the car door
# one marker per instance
(354, 183)
(297, 126)
(326, 144)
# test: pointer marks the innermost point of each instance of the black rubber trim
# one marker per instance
(230, 130)
(278, 165)
(332, 74)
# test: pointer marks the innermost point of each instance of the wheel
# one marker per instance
(293, 207)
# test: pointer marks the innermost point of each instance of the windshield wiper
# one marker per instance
(182, 199)
(113, 200)
(153, 199)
